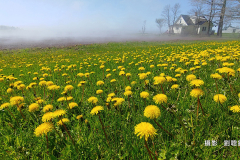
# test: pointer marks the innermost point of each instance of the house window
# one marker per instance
(204, 28)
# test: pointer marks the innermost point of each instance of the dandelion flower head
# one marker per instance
(96, 109)
(160, 98)
(44, 128)
(220, 98)
(197, 92)
(152, 112)
(145, 129)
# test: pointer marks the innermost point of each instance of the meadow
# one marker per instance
(131, 100)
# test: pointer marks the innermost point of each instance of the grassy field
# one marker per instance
(91, 101)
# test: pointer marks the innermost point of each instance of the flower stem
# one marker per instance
(162, 88)
(13, 116)
(82, 93)
(163, 128)
(200, 105)
(216, 85)
(69, 134)
(149, 152)
(47, 142)
(103, 128)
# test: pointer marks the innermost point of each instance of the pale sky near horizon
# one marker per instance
(86, 15)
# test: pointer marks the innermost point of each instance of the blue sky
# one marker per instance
(86, 15)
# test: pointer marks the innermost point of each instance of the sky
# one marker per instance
(79, 17)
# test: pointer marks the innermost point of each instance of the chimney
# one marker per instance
(195, 13)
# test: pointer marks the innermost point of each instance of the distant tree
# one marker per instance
(220, 25)
(170, 14)
(144, 27)
(160, 23)
(175, 12)
(197, 10)
(166, 14)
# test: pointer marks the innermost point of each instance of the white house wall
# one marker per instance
(177, 29)
(181, 21)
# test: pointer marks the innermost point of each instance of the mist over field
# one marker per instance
(48, 37)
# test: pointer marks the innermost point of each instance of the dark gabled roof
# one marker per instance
(187, 19)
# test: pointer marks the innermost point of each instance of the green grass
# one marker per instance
(18, 140)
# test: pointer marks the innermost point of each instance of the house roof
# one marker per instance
(189, 20)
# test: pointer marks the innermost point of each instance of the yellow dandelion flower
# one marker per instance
(141, 68)
(33, 107)
(128, 93)
(72, 105)
(111, 94)
(79, 117)
(16, 100)
(216, 76)
(121, 73)
(119, 101)
(5, 105)
(142, 75)
(80, 74)
(191, 77)
(144, 94)
(93, 100)
(197, 92)
(99, 91)
(128, 75)
(108, 75)
(145, 129)
(59, 112)
(175, 86)
(99, 83)
(47, 108)
(61, 121)
(40, 101)
(9, 90)
(68, 88)
(49, 83)
(44, 128)
(152, 112)
(133, 83)
(113, 80)
(53, 87)
(197, 82)
(235, 108)
(159, 80)
(160, 98)
(128, 88)
(219, 98)
(96, 109)
(47, 116)
(109, 99)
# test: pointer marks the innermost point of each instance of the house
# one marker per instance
(186, 24)
(231, 29)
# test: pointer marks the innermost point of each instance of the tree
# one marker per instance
(220, 25)
(175, 12)
(166, 13)
(160, 22)
(170, 14)
(206, 8)
(197, 10)
(144, 27)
